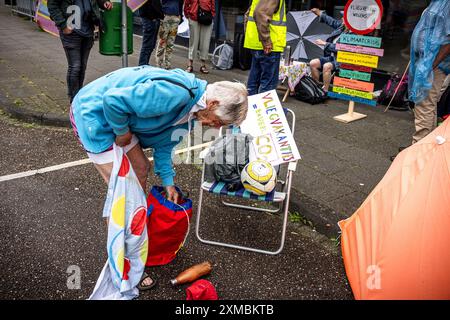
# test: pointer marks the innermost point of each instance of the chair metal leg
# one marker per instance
(241, 206)
(199, 212)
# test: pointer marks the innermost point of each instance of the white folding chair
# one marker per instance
(279, 197)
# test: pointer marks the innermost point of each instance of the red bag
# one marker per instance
(167, 226)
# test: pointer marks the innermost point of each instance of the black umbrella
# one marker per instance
(303, 29)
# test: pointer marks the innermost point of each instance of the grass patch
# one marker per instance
(336, 241)
(296, 217)
(18, 102)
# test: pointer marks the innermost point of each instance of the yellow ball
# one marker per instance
(259, 177)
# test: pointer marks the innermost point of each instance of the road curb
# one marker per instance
(318, 214)
(28, 115)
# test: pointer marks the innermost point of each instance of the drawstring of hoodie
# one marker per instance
(188, 158)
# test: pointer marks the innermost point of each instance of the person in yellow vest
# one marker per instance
(265, 36)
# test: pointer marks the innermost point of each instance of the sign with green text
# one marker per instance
(366, 41)
(350, 74)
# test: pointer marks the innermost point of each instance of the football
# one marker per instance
(259, 177)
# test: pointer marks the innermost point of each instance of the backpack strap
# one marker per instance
(215, 53)
(191, 93)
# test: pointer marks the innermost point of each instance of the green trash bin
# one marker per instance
(110, 40)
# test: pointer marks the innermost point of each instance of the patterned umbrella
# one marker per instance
(303, 29)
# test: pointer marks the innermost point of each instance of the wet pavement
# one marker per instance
(51, 222)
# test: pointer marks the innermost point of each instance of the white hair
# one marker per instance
(232, 101)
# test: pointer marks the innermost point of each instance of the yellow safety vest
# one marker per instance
(277, 29)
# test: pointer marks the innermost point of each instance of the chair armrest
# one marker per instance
(292, 166)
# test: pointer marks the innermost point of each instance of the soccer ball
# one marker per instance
(259, 177)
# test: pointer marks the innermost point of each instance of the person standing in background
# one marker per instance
(430, 64)
(265, 36)
(151, 14)
(77, 39)
(200, 31)
(172, 10)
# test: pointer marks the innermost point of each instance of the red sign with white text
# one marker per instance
(363, 16)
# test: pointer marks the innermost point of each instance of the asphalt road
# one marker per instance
(52, 221)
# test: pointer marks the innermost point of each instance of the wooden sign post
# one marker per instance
(358, 55)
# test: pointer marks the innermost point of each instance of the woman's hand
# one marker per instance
(124, 139)
(67, 30)
(268, 47)
(316, 11)
(108, 5)
(172, 194)
(320, 42)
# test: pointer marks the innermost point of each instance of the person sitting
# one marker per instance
(327, 64)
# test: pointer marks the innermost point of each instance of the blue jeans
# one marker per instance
(149, 33)
(264, 71)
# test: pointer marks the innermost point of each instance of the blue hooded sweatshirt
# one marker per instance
(144, 100)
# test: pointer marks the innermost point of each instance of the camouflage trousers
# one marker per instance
(166, 38)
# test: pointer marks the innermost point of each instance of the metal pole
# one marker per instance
(217, 26)
(124, 35)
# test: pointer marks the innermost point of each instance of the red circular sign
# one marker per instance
(363, 16)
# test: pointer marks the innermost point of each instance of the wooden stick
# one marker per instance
(398, 86)
(351, 115)
(286, 94)
(351, 107)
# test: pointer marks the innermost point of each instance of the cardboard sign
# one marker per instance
(363, 16)
(354, 68)
(353, 84)
(366, 41)
(372, 103)
(359, 49)
(266, 122)
(350, 74)
(357, 58)
(353, 92)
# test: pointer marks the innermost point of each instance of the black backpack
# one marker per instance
(308, 90)
(226, 159)
(443, 106)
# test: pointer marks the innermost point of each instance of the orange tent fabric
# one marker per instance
(397, 244)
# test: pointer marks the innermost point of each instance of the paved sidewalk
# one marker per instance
(341, 162)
